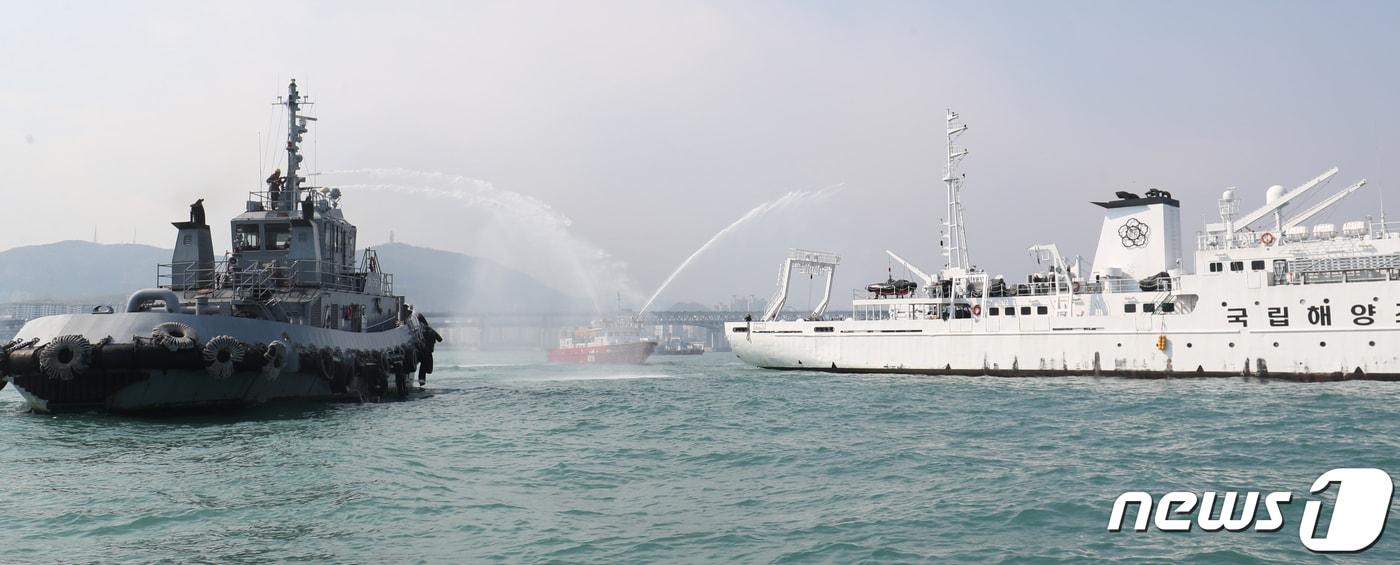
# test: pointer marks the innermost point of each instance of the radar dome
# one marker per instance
(1228, 195)
(1273, 194)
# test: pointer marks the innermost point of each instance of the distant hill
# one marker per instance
(77, 271)
(433, 280)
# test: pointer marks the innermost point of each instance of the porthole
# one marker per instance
(1326, 300)
(1188, 345)
(1375, 299)
(1232, 344)
(1275, 344)
(1373, 344)
(1256, 302)
(1322, 344)
(1120, 345)
(1224, 304)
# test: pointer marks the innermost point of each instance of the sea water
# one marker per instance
(686, 459)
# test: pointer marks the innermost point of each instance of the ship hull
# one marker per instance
(1232, 335)
(127, 373)
(620, 354)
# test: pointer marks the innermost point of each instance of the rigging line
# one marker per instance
(267, 149)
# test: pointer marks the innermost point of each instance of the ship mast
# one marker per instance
(296, 126)
(955, 262)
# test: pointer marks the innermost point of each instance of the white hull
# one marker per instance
(1101, 340)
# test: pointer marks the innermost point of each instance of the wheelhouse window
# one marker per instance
(824, 329)
(1130, 308)
(1256, 265)
(247, 237)
(1236, 266)
(1025, 310)
(1168, 307)
(1215, 267)
(1042, 310)
(279, 236)
(1149, 308)
(993, 311)
(1010, 311)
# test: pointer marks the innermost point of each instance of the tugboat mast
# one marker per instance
(296, 126)
(955, 262)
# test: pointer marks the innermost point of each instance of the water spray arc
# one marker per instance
(755, 213)
(588, 265)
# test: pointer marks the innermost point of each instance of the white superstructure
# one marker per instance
(1265, 294)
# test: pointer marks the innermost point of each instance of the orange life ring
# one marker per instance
(1267, 239)
(976, 309)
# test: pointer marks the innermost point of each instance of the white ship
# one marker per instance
(1266, 294)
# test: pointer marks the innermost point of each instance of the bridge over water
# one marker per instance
(540, 330)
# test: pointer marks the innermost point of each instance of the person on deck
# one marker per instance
(274, 187)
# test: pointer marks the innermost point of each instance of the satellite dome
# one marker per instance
(1228, 195)
(1273, 194)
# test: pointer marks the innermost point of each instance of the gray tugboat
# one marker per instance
(289, 314)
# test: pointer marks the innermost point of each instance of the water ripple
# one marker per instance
(688, 460)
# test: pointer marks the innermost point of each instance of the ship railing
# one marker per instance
(258, 278)
(1037, 288)
(1208, 241)
(262, 200)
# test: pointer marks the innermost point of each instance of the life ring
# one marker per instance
(976, 309)
(1076, 287)
(349, 312)
(175, 336)
(65, 357)
(273, 359)
(221, 353)
(1267, 239)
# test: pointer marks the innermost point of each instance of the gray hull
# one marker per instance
(126, 371)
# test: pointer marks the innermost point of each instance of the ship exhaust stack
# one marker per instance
(1141, 237)
(192, 263)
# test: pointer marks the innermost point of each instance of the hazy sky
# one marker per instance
(639, 129)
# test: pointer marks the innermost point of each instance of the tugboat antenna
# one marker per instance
(955, 262)
(296, 126)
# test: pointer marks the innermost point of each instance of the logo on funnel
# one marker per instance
(1134, 233)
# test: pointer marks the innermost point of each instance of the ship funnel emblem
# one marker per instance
(1134, 233)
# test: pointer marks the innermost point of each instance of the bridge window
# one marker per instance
(1149, 308)
(1257, 265)
(993, 311)
(1236, 266)
(1042, 310)
(279, 236)
(823, 329)
(1025, 310)
(740, 329)
(1168, 307)
(1130, 308)
(1215, 267)
(1009, 311)
(247, 237)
